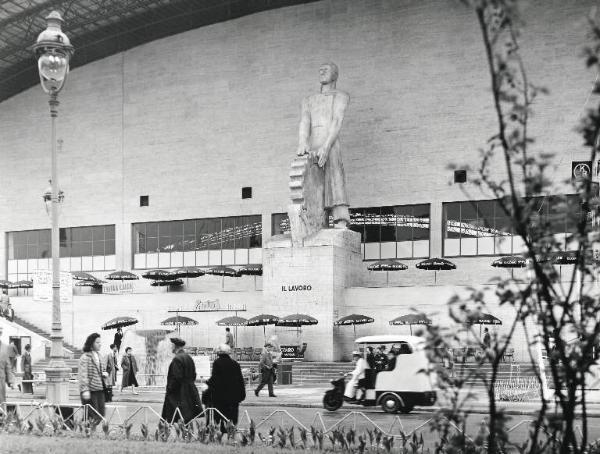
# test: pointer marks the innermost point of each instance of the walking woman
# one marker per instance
(91, 376)
(26, 368)
(129, 368)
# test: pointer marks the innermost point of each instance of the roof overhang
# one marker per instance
(99, 28)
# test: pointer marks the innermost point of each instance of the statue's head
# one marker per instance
(328, 73)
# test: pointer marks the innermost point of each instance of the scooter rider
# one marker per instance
(357, 374)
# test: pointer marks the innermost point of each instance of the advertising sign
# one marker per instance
(42, 286)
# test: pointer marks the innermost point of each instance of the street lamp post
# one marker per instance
(53, 51)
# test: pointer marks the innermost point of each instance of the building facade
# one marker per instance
(177, 152)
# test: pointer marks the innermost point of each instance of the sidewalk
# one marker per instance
(293, 396)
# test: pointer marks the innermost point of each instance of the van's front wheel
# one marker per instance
(390, 403)
(332, 400)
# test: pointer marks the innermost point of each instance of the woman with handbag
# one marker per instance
(92, 373)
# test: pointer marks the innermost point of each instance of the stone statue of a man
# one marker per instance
(320, 124)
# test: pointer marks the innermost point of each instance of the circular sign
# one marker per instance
(582, 171)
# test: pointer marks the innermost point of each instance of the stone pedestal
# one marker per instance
(312, 279)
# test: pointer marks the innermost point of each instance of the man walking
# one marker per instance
(229, 338)
(181, 392)
(226, 386)
(6, 372)
(13, 352)
(266, 369)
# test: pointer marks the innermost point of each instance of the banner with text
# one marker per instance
(42, 286)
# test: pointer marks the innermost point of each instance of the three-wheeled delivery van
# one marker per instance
(397, 388)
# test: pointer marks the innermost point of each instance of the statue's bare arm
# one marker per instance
(339, 109)
(304, 133)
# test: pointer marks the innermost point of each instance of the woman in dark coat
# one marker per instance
(26, 368)
(226, 385)
(181, 388)
(129, 368)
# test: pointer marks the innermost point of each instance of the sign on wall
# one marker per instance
(42, 286)
(581, 170)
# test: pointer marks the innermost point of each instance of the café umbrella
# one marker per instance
(263, 320)
(122, 276)
(251, 270)
(481, 318)
(353, 319)
(234, 321)
(188, 272)
(387, 266)
(222, 271)
(179, 320)
(298, 321)
(159, 275)
(410, 320)
(510, 261)
(120, 322)
(82, 276)
(435, 265)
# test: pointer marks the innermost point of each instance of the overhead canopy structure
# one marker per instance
(99, 28)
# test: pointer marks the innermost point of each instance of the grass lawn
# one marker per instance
(30, 444)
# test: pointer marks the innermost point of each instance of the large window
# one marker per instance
(81, 249)
(386, 232)
(198, 242)
(483, 228)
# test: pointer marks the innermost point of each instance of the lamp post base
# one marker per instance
(57, 382)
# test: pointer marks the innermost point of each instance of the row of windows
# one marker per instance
(386, 232)
(74, 242)
(198, 242)
(469, 228)
(483, 228)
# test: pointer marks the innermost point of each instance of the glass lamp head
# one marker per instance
(53, 51)
(47, 197)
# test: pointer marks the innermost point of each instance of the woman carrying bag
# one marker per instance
(91, 377)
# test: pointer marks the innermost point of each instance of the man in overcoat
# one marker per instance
(6, 372)
(226, 385)
(181, 388)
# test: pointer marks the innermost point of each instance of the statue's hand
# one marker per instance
(302, 150)
(322, 155)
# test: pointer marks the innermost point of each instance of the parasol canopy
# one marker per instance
(172, 282)
(24, 284)
(233, 320)
(188, 271)
(353, 319)
(96, 283)
(481, 318)
(159, 275)
(510, 261)
(5, 284)
(82, 276)
(411, 319)
(222, 271)
(119, 322)
(297, 320)
(435, 264)
(251, 270)
(122, 276)
(387, 266)
(179, 320)
(263, 320)
(153, 332)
